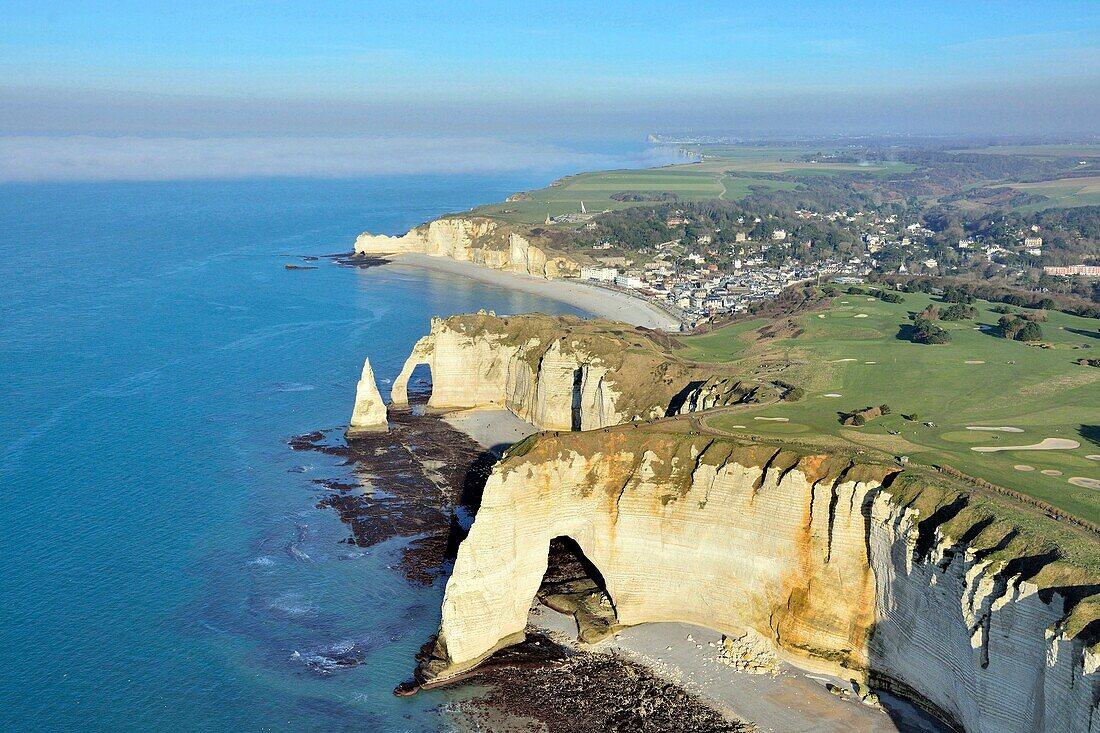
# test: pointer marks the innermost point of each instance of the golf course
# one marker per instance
(1023, 416)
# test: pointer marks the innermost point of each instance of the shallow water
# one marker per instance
(165, 565)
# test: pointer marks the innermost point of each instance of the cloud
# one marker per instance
(27, 158)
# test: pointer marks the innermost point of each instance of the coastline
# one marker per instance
(687, 656)
(595, 300)
(795, 700)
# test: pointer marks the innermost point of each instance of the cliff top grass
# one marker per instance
(858, 350)
(1027, 544)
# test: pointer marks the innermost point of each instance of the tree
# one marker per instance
(884, 408)
(858, 420)
(959, 312)
(1030, 332)
(1011, 325)
(927, 332)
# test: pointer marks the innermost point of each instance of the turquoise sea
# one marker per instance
(164, 565)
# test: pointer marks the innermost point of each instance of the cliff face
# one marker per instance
(560, 373)
(893, 578)
(479, 240)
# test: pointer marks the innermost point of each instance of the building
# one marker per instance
(604, 274)
(1070, 270)
(779, 235)
(740, 237)
(1033, 241)
(629, 281)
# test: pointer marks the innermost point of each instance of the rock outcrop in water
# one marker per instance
(476, 239)
(901, 579)
(369, 414)
(563, 373)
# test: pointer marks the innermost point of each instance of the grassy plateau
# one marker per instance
(857, 350)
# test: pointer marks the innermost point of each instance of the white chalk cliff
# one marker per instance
(480, 240)
(899, 579)
(369, 414)
(560, 373)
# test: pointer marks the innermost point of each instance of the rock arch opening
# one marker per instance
(574, 586)
(418, 386)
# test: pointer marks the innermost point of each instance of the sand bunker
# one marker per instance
(870, 300)
(870, 362)
(860, 315)
(1047, 444)
(1023, 467)
(1088, 483)
(1001, 429)
(821, 315)
(1050, 472)
(973, 361)
(834, 394)
(774, 419)
(834, 361)
(1091, 456)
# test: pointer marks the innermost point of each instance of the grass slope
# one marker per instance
(1041, 391)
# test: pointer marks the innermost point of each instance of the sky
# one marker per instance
(88, 85)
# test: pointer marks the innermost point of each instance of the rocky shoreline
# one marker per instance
(416, 481)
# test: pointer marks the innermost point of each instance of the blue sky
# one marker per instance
(548, 70)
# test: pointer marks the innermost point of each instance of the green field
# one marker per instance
(707, 179)
(1041, 391)
(1064, 192)
(1041, 151)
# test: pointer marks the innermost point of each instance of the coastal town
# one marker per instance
(705, 277)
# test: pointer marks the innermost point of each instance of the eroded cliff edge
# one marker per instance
(566, 373)
(476, 239)
(947, 596)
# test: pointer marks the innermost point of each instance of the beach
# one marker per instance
(795, 701)
(494, 429)
(593, 299)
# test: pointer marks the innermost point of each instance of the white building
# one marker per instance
(605, 274)
(629, 281)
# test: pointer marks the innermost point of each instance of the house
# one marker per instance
(779, 235)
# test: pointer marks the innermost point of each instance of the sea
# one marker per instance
(165, 566)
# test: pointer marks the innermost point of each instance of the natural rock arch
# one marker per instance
(575, 586)
(842, 567)
(421, 354)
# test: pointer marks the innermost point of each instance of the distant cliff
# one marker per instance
(564, 373)
(476, 239)
(896, 578)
